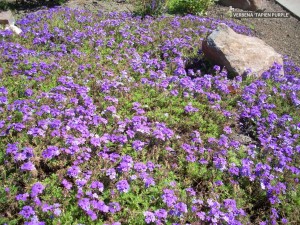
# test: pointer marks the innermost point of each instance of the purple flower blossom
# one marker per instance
(180, 208)
(3, 90)
(35, 132)
(100, 205)
(50, 152)
(91, 214)
(112, 109)
(140, 167)
(12, 148)
(161, 213)
(46, 207)
(162, 132)
(189, 108)
(96, 141)
(150, 166)
(27, 212)
(66, 184)
(174, 92)
(34, 221)
(138, 145)
(149, 217)
(2, 123)
(22, 197)
(81, 182)
(201, 215)
(227, 130)
(37, 189)
(73, 171)
(84, 203)
(217, 68)
(149, 181)
(3, 100)
(219, 183)
(125, 164)
(114, 207)
(29, 92)
(190, 191)
(111, 173)
(123, 186)
(220, 163)
(28, 166)
(169, 197)
(57, 212)
(97, 185)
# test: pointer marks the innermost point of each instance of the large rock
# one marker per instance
(251, 5)
(13, 28)
(7, 18)
(239, 52)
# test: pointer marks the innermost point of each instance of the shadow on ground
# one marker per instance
(28, 4)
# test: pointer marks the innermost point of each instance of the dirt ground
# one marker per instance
(283, 34)
(104, 6)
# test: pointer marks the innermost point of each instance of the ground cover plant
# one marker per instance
(159, 7)
(115, 119)
(195, 7)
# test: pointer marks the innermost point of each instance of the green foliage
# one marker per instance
(59, 2)
(291, 204)
(4, 5)
(235, 156)
(196, 171)
(160, 106)
(158, 7)
(149, 7)
(196, 7)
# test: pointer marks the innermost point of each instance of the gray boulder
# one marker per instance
(7, 18)
(251, 5)
(238, 52)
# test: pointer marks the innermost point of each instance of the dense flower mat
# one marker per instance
(115, 119)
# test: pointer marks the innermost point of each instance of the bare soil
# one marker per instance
(104, 6)
(283, 34)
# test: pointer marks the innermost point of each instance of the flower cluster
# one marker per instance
(105, 113)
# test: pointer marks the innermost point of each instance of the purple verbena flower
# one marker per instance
(27, 212)
(66, 184)
(84, 203)
(169, 197)
(97, 185)
(28, 166)
(161, 213)
(37, 189)
(123, 186)
(50, 152)
(114, 207)
(138, 145)
(22, 197)
(189, 108)
(73, 171)
(149, 217)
